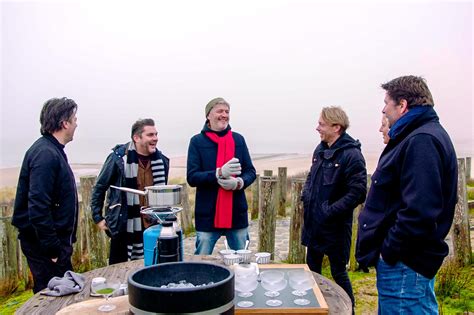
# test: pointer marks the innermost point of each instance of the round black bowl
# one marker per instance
(145, 294)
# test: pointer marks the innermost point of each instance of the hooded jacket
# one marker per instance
(410, 205)
(201, 173)
(336, 184)
(113, 173)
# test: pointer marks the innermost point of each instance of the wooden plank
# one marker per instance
(91, 306)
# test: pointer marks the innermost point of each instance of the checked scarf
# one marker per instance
(134, 222)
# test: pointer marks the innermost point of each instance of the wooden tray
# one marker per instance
(318, 305)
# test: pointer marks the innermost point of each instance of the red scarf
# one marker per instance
(225, 152)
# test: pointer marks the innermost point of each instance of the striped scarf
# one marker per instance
(134, 222)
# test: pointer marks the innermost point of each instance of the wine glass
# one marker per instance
(273, 288)
(105, 289)
(272, 277)
(245, 286)
(300, 280)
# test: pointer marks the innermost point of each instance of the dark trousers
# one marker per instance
(42, 267)
(118, 249)
(314, 259)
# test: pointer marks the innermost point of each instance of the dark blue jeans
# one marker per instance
(42, 267)
(338, 263)
(404, 291)
(205, 241)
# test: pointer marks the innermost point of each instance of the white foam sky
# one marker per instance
(276, 62)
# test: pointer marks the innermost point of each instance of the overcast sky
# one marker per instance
(276, 62)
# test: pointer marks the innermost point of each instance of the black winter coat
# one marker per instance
(336, 184)
(201, 173)
(113, 173)
(410, 205)
(46, 206)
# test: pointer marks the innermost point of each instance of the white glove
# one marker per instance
(230, 183)
(240, 183)
(231, 168)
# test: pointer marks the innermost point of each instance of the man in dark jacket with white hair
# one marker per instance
(336, 184)
(410, 205)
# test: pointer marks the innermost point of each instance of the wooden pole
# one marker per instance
(296, 251)
(282, 179)
(460, 227)
(10, 256)
(267, 215)
(468, 168)
(255, 198)
(186, 216)
(97, 250)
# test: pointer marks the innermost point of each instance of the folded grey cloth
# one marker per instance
(71, 283)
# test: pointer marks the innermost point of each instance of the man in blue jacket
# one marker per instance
(136, 164)
(336, 184)
(46, 206)
(220, 168)
(410, 205)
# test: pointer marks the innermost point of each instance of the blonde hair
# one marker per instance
(336, 116)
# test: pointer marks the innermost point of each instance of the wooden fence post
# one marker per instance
(267, 215)
(460, 227)
(468, 168)
(282, 178)
(255, 198)
(9, 269)
(97, 250)
(186, 216)
(296, 251)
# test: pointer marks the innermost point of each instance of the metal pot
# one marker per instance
(158, 196)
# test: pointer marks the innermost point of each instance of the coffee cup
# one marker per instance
(245, 255)
(224, 252)
(231, 259)
(262, 258)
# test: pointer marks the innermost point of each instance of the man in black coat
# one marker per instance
(136, 164)
(46, 207)
(410, 205)
(336, 184)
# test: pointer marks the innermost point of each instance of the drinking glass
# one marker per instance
(272, 277)
(300, 280)
(273, 288)
(245, 285)
(105, 289)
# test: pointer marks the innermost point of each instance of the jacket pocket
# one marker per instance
(112, 219)
(330, 172)
(380, 191)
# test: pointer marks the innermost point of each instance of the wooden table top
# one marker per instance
(337, 299)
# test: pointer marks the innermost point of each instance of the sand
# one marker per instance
(296, 164)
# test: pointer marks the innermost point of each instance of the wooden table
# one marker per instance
(337, 299)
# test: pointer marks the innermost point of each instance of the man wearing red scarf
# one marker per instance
(220, 167)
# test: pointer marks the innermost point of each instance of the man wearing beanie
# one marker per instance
(220, 168)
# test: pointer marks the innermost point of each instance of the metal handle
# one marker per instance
(130, 190)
